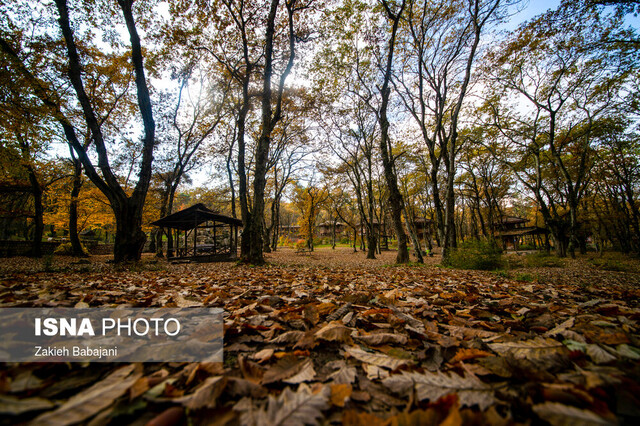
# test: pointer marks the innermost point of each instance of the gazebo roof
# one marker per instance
(513, 219)
(193, 216)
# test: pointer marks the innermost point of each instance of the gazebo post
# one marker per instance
(235, 241)
(215, 247)
(176, 234)
(195, 233)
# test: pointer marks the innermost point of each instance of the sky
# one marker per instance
(532, 8)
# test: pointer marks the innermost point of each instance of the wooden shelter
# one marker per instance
(512, 230)
(424, 228)
(202, 235)
(325, 228)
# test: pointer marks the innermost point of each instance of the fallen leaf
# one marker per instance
(263, 355)
(599, 355)
(538, 348)
(383, 338)
(432, 386)
(565, 415)
(344, 375)
(289, 367)
(467, 354)
(334, 332)
(205, 395)
(93, 400)
(298, 408)
(13, 406)
(378, 359)
(306, 374)
(340, 394)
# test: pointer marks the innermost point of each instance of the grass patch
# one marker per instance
(483, 255)
(608, 264)
(502, 274)
(47, 263)
(525, 277)
(66, 249)
(543, 260)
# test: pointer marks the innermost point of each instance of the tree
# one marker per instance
(352, 134)
(127, 207)
(570, 81)
(254, 42)
(185, 129)
(309, 201)
(396, 202)
(24, 133)
(290, 147)
(442, 40)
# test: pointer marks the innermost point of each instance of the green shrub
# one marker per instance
(484, 255)
(65, 249)
(284, 241)
(543, 260)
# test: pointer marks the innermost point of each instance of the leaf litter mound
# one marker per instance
(331, 338)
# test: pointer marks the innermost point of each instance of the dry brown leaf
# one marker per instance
(378, 339)
(538, 348)
(344, 375)
(306, 374)
(205, 395)
(464, 354)
(288, 337)
(250, 370)
(263, 355)
(432, 386)
(12, 406)
(565, 415)
(378, 359)
(298, 408)
(287, 368)
(93, 400)
(355, 418)
(169, 417)
(416, 418)
(340, 394)
(374, 372)
(453, 418)
(139, 387)
(334, 332)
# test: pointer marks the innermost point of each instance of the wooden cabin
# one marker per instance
(325, 228)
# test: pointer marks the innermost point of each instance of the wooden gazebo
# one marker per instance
(511, 229)
(202, 235)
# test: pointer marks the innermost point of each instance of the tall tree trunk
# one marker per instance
(36, 248)
(36, 191)
(252, 236)
(76, 246)
(395, 197)
(414, 238)
(130, 238)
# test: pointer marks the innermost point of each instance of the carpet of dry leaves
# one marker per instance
(334, 338)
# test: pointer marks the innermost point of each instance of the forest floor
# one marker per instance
(332, 337)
